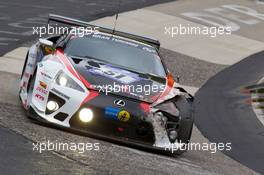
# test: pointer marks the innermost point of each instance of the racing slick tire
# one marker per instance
(185, 131)
(24, 66)
(30, 87)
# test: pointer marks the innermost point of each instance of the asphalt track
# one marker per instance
(224, 112)
(18, 132)
(16, 21)
(17, 18)
(19, 158)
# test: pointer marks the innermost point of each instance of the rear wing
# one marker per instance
(75, 22)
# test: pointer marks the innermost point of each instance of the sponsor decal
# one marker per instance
(43, 85)
(32, 54)
(24, 84)
(60, 93)
(123, 116)
(145, 107)
(30, 65)
(39, 97)
(41, 90)
(149, 49)
(117, 74)
(117, 40)
(27, 75)
(48, 50)
(111, 112)
(45, 75)
(124, 42)
(117, 114)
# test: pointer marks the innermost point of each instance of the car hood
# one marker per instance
(111, 79)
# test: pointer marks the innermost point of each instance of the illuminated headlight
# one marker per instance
(66, 81)
(63, 81)
(86, 115)
(52, 106)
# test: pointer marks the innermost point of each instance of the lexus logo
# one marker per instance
(120, 103)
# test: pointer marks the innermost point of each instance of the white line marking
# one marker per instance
(8, 39)
(8, 32)
(225, 49)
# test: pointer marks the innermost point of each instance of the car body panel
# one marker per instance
(151, 118)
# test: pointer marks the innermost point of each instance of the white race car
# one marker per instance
(68, 79)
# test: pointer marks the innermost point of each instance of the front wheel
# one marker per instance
(185, 107)
(30, 89)
(24, 67)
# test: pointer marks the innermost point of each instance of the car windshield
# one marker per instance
(133, 56)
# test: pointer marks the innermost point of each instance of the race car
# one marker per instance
(109, 84)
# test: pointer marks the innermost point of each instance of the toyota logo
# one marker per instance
(120, 103)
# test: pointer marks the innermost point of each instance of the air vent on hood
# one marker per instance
(94, 64)
(77, 60)
(144, 76)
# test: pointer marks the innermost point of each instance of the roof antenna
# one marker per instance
(117, 13)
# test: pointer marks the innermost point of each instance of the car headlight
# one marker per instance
(66, 81)
(86, 115)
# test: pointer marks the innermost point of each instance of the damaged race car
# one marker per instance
(108, 84)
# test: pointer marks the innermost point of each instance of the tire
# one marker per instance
(30, 87)
(24, 67)
(22, 73)
(186, 125)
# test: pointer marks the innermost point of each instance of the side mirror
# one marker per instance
(45, 42)
(170, 76)
(47, 46)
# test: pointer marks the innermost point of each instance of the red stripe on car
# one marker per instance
(92, 94)
(145, 107)
(85, 82)
(170, 82)
(67, 63)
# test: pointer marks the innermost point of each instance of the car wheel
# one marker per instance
(187, 120)
(30, 88)
(24, 67)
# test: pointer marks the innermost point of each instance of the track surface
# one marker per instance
(19, 155)
(224, 114)
(17, 18)
(16, 21)
(16, 28)
(112, 158)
